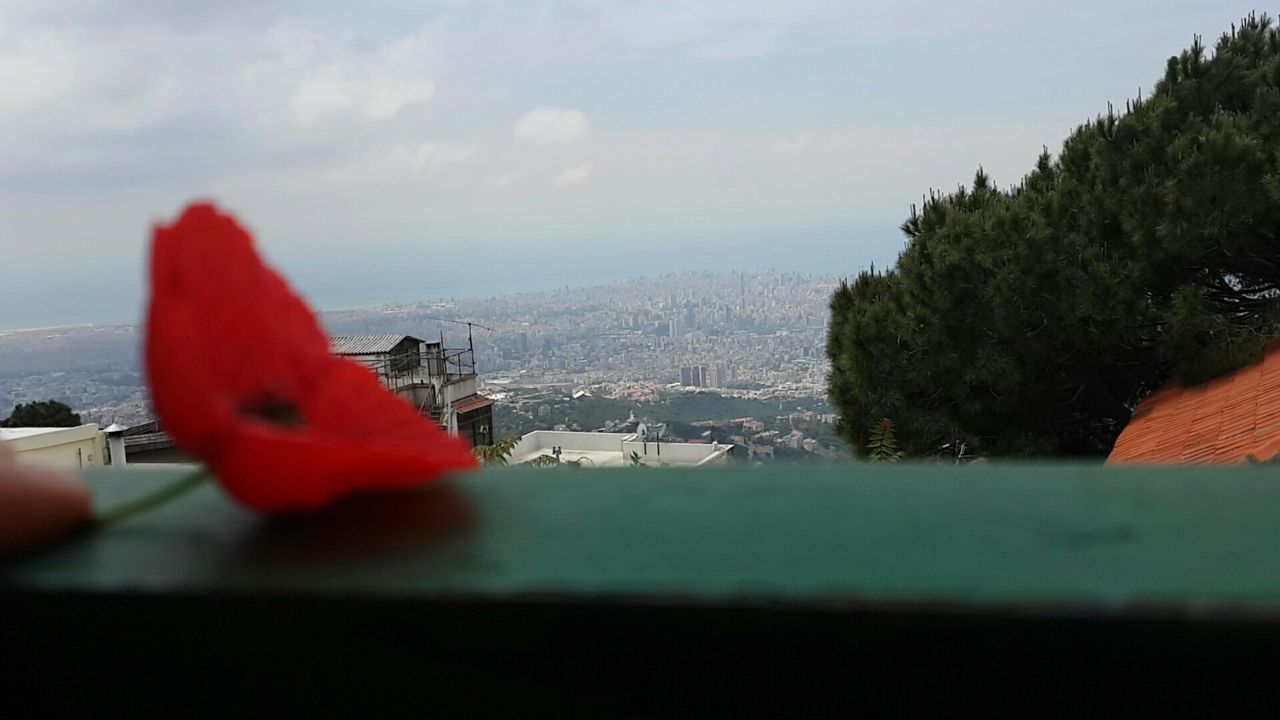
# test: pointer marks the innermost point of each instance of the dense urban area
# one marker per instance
(727, 357)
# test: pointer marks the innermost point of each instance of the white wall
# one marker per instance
(542, 441)
(455, 391)
(64, 448)
(677, 453)
(591, 442)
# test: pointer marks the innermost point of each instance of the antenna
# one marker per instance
(471, 345)
(468, 323)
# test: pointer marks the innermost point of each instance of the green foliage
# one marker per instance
(544, 461)
(882, 445)
(496, 454)
(1030, 321)
(47, 413)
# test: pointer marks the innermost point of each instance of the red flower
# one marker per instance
(242, 377)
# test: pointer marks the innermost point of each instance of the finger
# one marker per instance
(38, 505)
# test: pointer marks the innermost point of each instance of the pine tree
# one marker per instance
(46, 413)
(1031, 320)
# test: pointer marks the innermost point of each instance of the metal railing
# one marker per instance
(426, 367)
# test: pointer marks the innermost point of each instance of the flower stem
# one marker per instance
(153, 499)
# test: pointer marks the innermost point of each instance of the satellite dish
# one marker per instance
(642, 430)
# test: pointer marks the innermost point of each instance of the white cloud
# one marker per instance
(574, 176)
(551, 125)
(793, 144)
(321, 95)
(388, 97)
(335, 90)
(504, 180)
(402, 163)
(429, 156)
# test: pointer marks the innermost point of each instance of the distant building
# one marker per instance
(717, 376)
(694, 376)
(594, 449)
(523, 346)
(148, 443)
(440, 382)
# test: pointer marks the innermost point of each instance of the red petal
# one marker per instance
(359, 437)
(222, 327)
(224, 332)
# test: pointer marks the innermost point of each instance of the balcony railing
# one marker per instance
(425, 367)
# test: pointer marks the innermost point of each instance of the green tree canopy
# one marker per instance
(1031, 320)
(47, 413)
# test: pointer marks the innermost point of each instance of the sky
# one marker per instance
(390, 150)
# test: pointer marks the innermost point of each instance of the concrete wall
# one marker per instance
(452, 392)
(678, 453)
(455, 391)
(547, 439)
(685, 454)
(65, 448)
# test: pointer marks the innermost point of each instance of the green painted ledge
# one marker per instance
(1070, 537)
(787, 591)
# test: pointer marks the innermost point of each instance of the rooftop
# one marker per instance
(615, 450)
(26, 432)
(366, 344)
(1228, 419)
(29, 438)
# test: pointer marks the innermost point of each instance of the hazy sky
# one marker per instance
(385, 150)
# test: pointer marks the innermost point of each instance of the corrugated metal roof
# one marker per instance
(471, 402)
(365, 344)
(147, 441)
(1224, 420)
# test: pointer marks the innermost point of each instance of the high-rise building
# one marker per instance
(717, 376)
(524, 343)
(694, 376)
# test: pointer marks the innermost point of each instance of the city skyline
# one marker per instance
(767, 330)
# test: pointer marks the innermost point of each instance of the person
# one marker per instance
(37, 505)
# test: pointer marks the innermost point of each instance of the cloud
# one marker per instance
(402, 163)
(793, 144)
(574, 176)
(551, 125)
(373, 98)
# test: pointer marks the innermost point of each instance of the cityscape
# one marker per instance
(733, 357)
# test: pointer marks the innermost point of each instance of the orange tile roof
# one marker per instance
(1224, 420)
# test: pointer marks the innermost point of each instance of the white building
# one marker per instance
(75, 448)
(591, 449)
